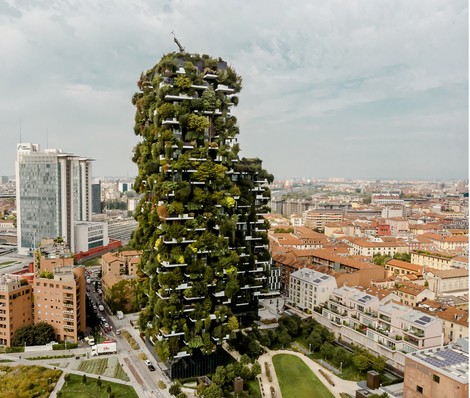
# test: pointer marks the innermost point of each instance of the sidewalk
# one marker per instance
(340, 386)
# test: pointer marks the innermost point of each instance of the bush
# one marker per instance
(326, 376)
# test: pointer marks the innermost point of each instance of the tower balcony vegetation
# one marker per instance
(200, 222)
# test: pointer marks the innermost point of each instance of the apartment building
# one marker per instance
(402, 268)
(15, 306)
(118, 267)
(455, 320)
(382, 246)
(427, 259)
(59, 290)
(318, 218)
(437, 372)
(382, 326)
(60, 300)
(309, 289)
(411, 294)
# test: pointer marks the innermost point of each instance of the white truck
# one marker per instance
(107, 347)
(101, 308)
(119, 314)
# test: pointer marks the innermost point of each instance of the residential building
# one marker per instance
(16, 306)
(437, 372)
(53, 191)
(309, 289)
(411, 294)
(201, 227)
(318, 218)
(60, 301)
(381, 325)
(436, 260)
(382, 246)
(59, 291)
(399, 268)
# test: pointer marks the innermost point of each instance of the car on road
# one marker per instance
(149, 365)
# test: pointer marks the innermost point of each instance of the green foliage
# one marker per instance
(198, 123)
(380, 259)
(403, 257)
(39, 334)
(175, 389)
(27, 381)
(183, 82)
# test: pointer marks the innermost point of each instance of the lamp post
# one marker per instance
(310, 349)
(341, 367)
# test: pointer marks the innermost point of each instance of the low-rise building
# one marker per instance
(437, 372)
(447, 282)
(382, 246)
(400, 268)
(382, 326)
(441, 261)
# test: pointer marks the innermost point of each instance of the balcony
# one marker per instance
(180, 97)
(385, 318)
(166, 334)
(388, 345)
(170, 121)
(415, 332)
(412, 340)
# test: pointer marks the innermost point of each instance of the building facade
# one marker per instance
(201, 226)
(16, 306)
(309, 289)
(53, 190)
(437, 372)
(382, 326)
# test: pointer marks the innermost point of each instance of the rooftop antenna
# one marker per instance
(47, 139)
(20, 132)
(177, 43)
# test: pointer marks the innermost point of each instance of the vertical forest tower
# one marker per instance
(200, 220)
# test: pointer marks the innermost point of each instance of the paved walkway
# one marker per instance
(340, 386)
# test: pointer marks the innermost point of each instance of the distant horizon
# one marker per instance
(381, 179)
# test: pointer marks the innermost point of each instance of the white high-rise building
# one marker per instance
(53, 190)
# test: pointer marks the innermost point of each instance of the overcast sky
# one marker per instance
(356, 89)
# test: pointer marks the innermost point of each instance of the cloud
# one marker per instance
(322, 81)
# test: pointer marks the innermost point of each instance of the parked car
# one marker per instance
(149, 365)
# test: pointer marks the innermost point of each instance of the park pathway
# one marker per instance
(340, 386)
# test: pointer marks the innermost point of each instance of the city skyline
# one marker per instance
(355, 90)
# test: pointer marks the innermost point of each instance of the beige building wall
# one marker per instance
(15, 307)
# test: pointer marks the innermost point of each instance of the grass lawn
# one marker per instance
(255, 390)
(74, 388)
(296, 379)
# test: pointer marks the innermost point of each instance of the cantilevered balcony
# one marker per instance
(171, 121)
(181, 97)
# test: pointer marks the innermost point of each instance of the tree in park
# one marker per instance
(220, 376)
(327, 350)
(213, 391)
(361, 362)
(315, 340)
(255, 370)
